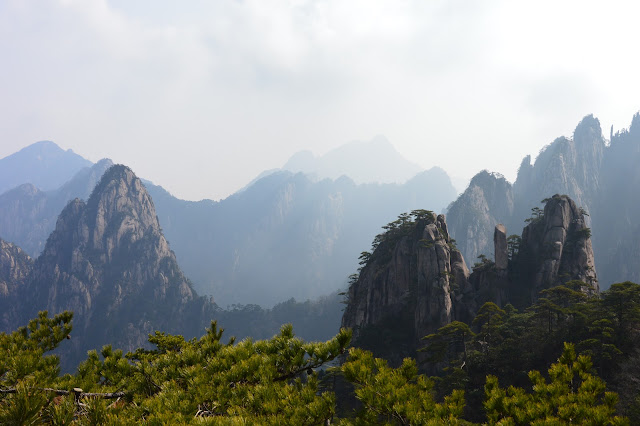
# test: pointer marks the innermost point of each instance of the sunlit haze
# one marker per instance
(200, 97)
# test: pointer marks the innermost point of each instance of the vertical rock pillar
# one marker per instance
(500, 246)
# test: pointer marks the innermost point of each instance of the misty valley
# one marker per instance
(351, 288)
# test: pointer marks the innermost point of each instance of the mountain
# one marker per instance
(487, 201)
(364, 162)
(284, 235)
(416, 281)
(287, 235)
(28, 214)
(600, 178)
(15, 269)
(108, 262)
(43, 164)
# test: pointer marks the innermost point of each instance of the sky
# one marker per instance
(202, 96)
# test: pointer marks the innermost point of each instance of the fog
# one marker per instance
(202, 97)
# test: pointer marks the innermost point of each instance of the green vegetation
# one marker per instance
(490, 372)
(507, 345)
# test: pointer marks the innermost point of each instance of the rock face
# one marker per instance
(108, 261)
(500, 247)
(15, 268)
(566, 166)
(28, 215)
(473, 216)
(595, 175)
(411, 280)
(416, 281)
(555, 247)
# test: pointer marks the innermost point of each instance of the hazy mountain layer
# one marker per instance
(364, 162)
(28, 215)
(600, 178)
(286, 235)
(108, 261)
(43, 164)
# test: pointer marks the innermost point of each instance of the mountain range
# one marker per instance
(285, 235)
(599, 175)
(289, 236)
(42, 164)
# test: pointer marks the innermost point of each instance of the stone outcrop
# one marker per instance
(501, 255)
(473, 216)
(15, 268)
(601, 178)
(416, 281)
(556, 247)
(415, 277)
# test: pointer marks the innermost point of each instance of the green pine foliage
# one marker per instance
(507, 344)
(397, 395)
(572, 395)
(490, 372)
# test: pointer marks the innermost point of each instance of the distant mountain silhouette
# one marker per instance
(287, 235)
(43, 164)
(28, 215)
(364, 162)
(284, 235)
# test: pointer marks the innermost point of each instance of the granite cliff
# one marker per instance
(487, 201)
(416, 280)
(108, 262)
(15, 268)
(595, 174)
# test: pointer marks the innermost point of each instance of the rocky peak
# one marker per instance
(555, 247)
(108, 261)
(28, 215)
(120, 208)
(416, 280)
(472, 217)
(410, 280)
(567, 165)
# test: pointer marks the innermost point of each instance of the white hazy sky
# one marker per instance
(201, 96)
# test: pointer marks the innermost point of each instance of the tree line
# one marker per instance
(557, 362)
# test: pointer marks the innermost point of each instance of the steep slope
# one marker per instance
(473, 216)
(618, 208)
(600, 178)
(566, 166)
(108, 261)
(416, 281)
(414, 264)
(555, 248)
(286, 235)
(28, 215)
(15, 268)
(282, 236)
(43, 164)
